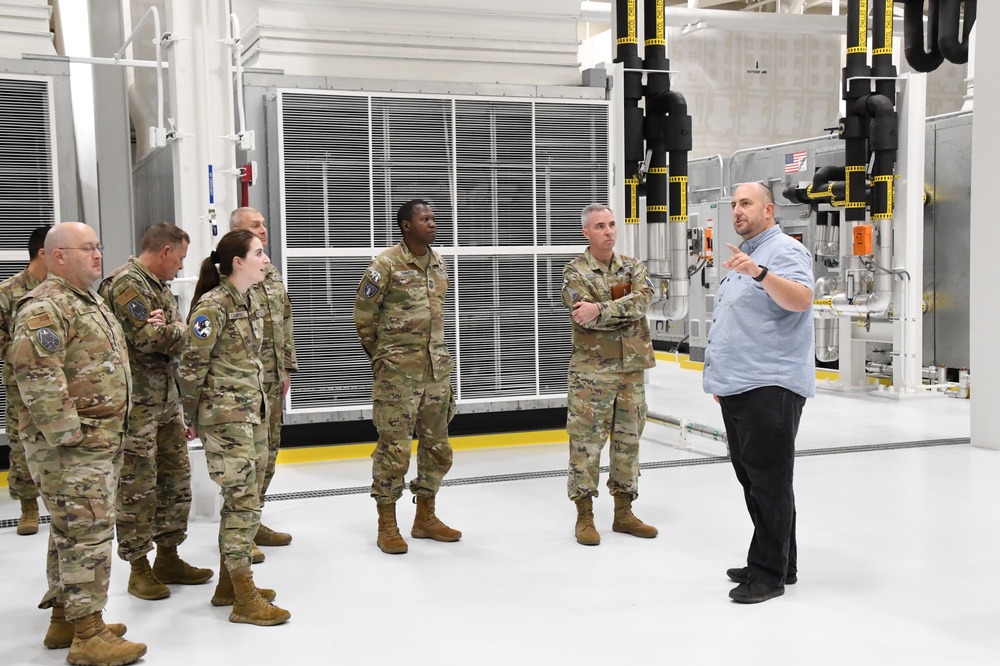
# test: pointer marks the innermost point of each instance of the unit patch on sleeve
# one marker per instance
(138, 310)
(202, 327)
(375, 274)
(48, 339)
(369, 289)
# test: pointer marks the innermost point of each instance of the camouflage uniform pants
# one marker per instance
(78, 485)
(154, 492)
(236, 455)
(19, 482)
(602, 404)
(272, 391)
(399, 407)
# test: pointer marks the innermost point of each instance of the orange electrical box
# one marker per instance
(862, 240)
(707, 253)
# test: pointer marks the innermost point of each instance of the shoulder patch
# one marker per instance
(138, 310)
(202, 327)
(127, 296)
(38, 321)
(376, 276)
(369, 289)
(48, 339)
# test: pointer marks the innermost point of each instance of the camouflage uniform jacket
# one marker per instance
(278, 352)
(220, 370)
(399, 314)
(618, 339)
(11, 291)
(70, 360)
(132, 292)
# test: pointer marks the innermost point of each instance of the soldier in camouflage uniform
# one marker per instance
(277, 354)
(399, 314)
(224, 403)
(608, 295)
(22, 488)
(154, 492)
(70, 362)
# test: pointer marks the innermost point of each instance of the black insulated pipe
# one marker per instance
(882, 68)
(954, 49)
(627, 53)
(883, 139)
(655, 128)
(854, 127)
(679, 143)
(829, 186)
(920, 58)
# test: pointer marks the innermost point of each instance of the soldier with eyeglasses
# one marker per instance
(70, 361)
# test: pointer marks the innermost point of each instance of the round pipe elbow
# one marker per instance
(668, 309)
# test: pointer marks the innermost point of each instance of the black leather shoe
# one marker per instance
(740, 575)
(755, 591)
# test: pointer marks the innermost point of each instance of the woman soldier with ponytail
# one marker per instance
(224, 404)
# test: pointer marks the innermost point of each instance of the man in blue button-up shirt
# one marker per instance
(759, 366)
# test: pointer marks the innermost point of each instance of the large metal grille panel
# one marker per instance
(507, 179)
(27, 178)
(27, 191)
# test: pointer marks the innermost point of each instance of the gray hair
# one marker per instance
(590, 210)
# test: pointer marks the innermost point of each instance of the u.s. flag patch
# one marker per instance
(795, 162)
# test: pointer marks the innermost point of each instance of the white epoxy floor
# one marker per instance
(897, 560)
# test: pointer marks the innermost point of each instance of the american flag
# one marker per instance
(795, 162)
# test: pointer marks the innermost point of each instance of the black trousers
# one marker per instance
(761, 425)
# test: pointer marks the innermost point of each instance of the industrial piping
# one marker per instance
(943, 32)
(667, 130)
(627, 53)
(870, 125)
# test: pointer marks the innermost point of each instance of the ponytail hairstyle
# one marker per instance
(232, 245)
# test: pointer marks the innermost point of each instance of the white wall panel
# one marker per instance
(471, 41)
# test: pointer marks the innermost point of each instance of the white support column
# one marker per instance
(201, 103)
(908, 236)
(984, 315)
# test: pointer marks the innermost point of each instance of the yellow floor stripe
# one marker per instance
(462, 443)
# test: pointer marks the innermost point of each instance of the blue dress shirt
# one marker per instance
(753, 341)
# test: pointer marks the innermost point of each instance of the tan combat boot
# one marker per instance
(268, 537)
(256, 555)
(224, 593)
(250, 607)
(169, 568)
(94, 645)
(143, 584)
(426, 525)
(389, 539)
(60, 633)
(586, 533)
(28, 522)
(626, 522)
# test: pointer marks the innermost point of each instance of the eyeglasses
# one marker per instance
(89, 248)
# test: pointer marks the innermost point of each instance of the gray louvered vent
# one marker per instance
(27, 180)
(27, 198)
(507, 179)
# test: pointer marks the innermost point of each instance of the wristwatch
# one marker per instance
(763, 274)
